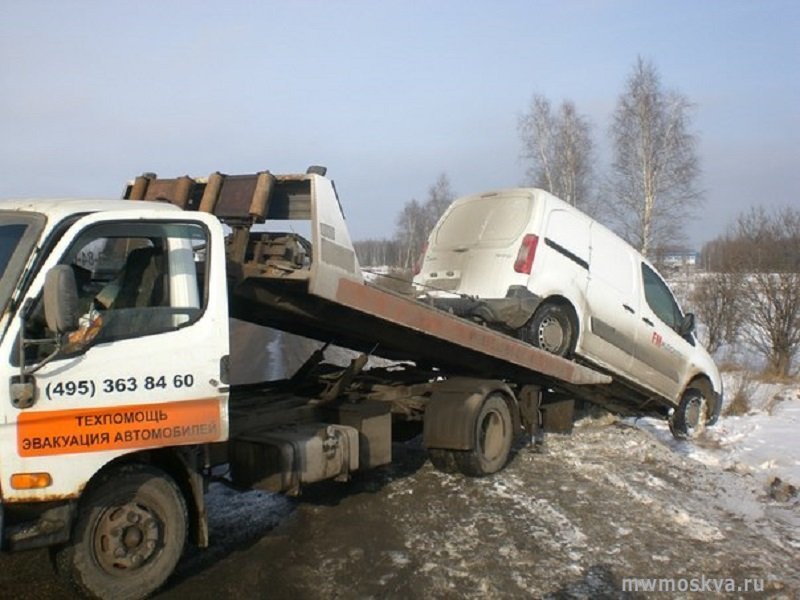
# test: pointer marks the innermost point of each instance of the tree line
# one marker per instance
(412, 227)
(750, 292)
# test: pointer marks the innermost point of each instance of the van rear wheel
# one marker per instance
(552, 329)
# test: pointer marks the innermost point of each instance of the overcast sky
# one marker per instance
(386, 94)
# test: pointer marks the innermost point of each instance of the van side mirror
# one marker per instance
(687, 325)
(61, 299)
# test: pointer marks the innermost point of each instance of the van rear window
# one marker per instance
(491, 220)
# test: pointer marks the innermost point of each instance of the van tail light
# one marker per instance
(420, 260)
(526, 254)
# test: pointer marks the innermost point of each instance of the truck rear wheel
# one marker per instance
(130, 534)
(493, 437)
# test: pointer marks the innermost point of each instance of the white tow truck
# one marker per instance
(115, 348)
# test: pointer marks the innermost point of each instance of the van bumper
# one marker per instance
(511, 312)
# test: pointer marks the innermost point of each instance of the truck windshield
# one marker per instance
(18, 234)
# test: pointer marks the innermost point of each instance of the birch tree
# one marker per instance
(440, 197)
(417, 219)
(558, 148)
(410, 233)
(652, 188)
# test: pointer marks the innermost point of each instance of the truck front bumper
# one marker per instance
(23, 527)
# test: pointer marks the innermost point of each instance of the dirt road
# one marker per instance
(607, 503)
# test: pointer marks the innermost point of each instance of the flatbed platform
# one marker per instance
(315, 287)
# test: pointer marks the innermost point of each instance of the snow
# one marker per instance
(764, 443)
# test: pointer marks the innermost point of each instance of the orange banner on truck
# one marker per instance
(119, 428)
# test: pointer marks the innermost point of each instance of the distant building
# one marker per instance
(678, 258)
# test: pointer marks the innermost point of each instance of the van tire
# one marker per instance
(493, 436)
(689, 419)
(129, 535)
(552, 329)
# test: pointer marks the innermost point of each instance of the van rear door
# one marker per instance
(473, 248)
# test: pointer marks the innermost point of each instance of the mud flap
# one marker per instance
(530, 408)
(452, 412)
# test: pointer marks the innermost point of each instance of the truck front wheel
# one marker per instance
(129, 535)
(493, 437)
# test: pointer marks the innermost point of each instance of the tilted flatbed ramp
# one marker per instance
(316, 288)
(362, 317)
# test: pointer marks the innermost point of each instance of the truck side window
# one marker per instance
(136, 279)
(660, 299)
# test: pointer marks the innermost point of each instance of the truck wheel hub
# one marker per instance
(126, 537)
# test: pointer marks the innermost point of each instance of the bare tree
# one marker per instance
(652, 188)
(440, 197)
(559, 148)
(757, 269)
(416, 220)
(717, 300)
(411, 232)
(377, 253)
(768, 249)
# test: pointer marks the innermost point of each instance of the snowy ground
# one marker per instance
(617, 499)
(609, 502)
(764, 443)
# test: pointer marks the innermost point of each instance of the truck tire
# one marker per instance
(129, 535)
(493, 437)
(552, 329)
(689, 419)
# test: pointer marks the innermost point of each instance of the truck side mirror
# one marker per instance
(61, 299)
(687, 325)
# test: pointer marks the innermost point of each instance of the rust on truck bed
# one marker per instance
(363, 317)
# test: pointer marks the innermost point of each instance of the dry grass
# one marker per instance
(745, 383)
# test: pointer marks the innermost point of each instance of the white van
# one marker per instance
(523, 261)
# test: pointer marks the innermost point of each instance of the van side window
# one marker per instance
(660, 299)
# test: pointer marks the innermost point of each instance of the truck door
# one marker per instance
(145, 369)
(661, 352)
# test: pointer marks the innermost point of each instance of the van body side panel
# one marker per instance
(567, 234)
(612, 302)
(562, 259)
